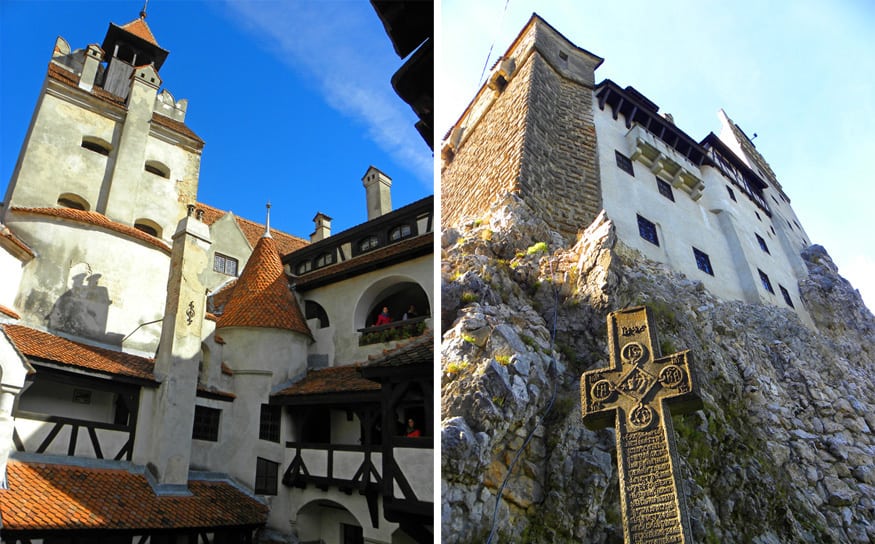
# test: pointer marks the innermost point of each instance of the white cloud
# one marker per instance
(341, 48)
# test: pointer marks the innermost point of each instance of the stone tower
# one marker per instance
(528, 131)
(103, 139)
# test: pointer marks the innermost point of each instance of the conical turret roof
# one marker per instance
(261, 296)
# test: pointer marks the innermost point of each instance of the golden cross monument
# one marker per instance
(634, 395)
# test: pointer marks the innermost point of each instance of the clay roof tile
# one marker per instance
(53, 497)
(262, 297)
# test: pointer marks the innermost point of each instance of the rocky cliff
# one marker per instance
(782, 451)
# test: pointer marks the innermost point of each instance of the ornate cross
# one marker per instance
(633, 394)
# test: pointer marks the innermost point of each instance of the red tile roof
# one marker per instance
(338, 379)
(286, 243)
(95, 219)
(262, 297)
(417, 350)
(7, 234)
(51, 497)
(42, 345)
(177, 126)
(139, 28)
(9, 311)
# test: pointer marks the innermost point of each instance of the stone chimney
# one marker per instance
(378, 190)
(93, 56)
(323, 227)
(179, 353)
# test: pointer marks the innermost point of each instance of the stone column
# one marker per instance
(179, 353)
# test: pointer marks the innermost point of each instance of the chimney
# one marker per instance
(378, 191)
(93, 55)
(178, 358)
(323, 227)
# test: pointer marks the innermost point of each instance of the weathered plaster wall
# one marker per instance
(347, 303)
(79, 286)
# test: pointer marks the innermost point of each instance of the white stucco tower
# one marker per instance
(103, 139)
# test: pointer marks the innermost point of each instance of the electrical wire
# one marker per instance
(488, 55)
(543, 417)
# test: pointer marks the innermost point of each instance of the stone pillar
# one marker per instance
(378, 191)
(93, 56)
(118, 198)
(179, 352)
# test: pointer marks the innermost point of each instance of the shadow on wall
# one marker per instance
(83, 309)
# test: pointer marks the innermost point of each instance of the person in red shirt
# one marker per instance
(412, 431)
(383, 318)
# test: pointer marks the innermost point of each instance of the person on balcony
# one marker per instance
(412, 431)
(383, 318)
(410, 313)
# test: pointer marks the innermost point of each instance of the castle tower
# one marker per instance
(528, 131)
(103, 139)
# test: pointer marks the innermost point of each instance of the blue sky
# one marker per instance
(293, 99)
(800, 74)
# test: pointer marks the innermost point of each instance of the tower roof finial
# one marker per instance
(267, 222)
(143, 11)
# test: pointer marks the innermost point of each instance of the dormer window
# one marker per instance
(369, 243)
(224, 264)
(400, 232)
(75, 202)
(157, 168)
(304, 267)
(97, 145)
(324, 259)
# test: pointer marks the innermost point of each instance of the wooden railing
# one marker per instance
(63, 436)
(397, 330)
(344, 466)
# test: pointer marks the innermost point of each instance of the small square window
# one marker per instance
(647, 230)
(625, 163)
(266, 473)
(786, 296)
(767, 285)
(703, 262)
(664, 189)
(224, 264)
(732, 194)
(269, 425)
(206, 424)
(762, 244)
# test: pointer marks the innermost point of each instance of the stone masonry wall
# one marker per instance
(536, 138)
(489, 163)
(559, 175)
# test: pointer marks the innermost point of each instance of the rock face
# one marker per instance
(782, 452)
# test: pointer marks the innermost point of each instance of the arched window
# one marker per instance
(98, 145)
(368, 243)
(149, 227)
(158, 168)
(76, 202)
(400, 232)
(324, 259)
(313, 310)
